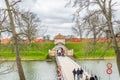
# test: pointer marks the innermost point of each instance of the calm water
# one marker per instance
(98, 67)
(42, 70)
(34, 70)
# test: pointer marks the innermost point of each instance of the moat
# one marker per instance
(42, 70)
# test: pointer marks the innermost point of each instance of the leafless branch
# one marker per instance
(14, 3)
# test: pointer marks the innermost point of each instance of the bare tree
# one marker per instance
(2, 19)
(18, 59)
(78, 29)
(30, 25)
(6, 69)
(106, 8)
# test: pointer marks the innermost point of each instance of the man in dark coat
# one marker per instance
(81, 73)
(78, 74)
(74, 73)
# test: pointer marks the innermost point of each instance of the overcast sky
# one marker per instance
(52, 13)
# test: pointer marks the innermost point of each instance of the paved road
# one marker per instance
(67, 66)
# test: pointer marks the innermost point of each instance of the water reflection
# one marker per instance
(42, 70)
(34, 70)
(98, 67)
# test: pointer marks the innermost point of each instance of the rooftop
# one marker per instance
(59, 36)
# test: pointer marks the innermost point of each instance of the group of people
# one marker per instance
(79, 74)
(61, 52)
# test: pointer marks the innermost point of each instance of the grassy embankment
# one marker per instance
(39, 51)
(86, 50)
(33, 51)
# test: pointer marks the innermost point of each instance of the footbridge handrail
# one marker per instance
(63, 77)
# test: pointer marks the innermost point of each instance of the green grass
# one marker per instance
(39, 51)
(88, 50)
(77, 47)
(35, 51)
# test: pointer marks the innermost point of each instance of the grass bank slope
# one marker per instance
(33, 51)
(39, 51)
(90, 51)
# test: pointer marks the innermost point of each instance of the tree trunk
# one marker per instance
(118, 61)
(116, 48)
(81, 35)
(18, 60)
(94, 35)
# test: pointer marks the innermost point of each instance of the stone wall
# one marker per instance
(52, 52)
(69, 52)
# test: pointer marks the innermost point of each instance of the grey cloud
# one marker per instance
(52, 13)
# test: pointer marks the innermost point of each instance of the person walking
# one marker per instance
(92, 77)
(74, 73)
(78, 74)
(86, 78)
(63, 52)
(59, 52)
(81, 73)
(96, 78)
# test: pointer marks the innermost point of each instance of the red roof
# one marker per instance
(59, 36)
(75, 40)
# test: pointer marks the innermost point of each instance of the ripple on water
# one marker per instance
(34, 70)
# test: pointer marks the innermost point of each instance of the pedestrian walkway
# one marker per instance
(67, 66)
